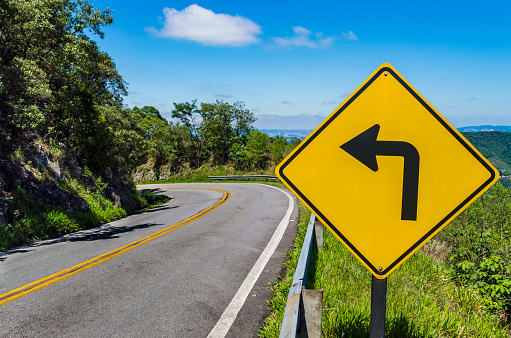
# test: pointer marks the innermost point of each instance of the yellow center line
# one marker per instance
(75, 269)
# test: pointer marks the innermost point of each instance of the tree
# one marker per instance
(278, 147)
(54, 78)
(192, 119)
(257, 146)
(225, 124)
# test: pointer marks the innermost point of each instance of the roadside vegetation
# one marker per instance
(425, 298)
(72, 151)
(34, 221)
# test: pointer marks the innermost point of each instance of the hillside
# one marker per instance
(495, 146)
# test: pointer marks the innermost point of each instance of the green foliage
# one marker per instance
(257, 147)
(495, 146)
(240, 156)
(421, 302)
(53, 77)
(191, 117)
(492, 278)
(278, 148)
(34, 221)
(149, 200)
(214, 129)
(223, 125)
(480, 247)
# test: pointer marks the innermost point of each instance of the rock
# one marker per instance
(14, 175)
(113, 196)
(44, 162)
(41, 158)
(4, 208)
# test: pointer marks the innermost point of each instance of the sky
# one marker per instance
(293, 62)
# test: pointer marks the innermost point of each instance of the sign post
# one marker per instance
(385, 172)
(378, 307)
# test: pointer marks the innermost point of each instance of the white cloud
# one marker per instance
(223, 96)
(350, 36)
(305, 37)
(325, 102)
(204, 26)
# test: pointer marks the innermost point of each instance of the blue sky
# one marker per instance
(293, 62)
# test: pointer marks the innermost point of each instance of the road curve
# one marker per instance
(172, 271)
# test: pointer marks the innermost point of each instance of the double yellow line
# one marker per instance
(63, 274)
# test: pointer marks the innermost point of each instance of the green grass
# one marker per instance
(34, 221)
(421, 301)
(280, 289)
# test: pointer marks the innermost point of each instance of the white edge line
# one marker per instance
(231, 312)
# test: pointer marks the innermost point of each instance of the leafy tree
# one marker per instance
(129, 136)
(191, 117)
(164, 140)
(214, 128)
(278, 148)
(54, 78)
(257, 146)
(225, 124)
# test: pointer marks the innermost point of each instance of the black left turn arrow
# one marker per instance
(364, 147)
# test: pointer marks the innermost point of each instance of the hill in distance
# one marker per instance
(485, 128)
(494, 142)
(301, 134)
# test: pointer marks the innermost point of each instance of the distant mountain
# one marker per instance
(289, 134)
(485, 128)
(301, 134)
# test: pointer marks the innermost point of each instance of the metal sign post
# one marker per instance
(378, 307)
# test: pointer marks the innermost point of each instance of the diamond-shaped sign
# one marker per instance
(385, 171)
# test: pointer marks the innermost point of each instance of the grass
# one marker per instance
(280, 289)
(34, 221)
(421, 301)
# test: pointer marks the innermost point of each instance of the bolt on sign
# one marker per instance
(385, 172)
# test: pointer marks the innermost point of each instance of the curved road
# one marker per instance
(196, 266)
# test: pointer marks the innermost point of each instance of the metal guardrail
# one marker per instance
(302, 316)
(244, 177)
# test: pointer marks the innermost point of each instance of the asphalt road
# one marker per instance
(185, 280)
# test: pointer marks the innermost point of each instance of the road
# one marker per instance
(184, 269)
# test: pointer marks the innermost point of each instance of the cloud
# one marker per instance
(349, 36)
(329, 102)
(286, 102)
(202, 25)
(223, 96)
(471, 98)
(306, 38)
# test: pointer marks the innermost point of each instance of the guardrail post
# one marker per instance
(311, 311)
(318, 231)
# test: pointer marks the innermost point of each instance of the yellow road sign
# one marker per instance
(385, 171)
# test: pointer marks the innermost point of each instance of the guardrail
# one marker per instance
(302, 316)
(244, 177)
